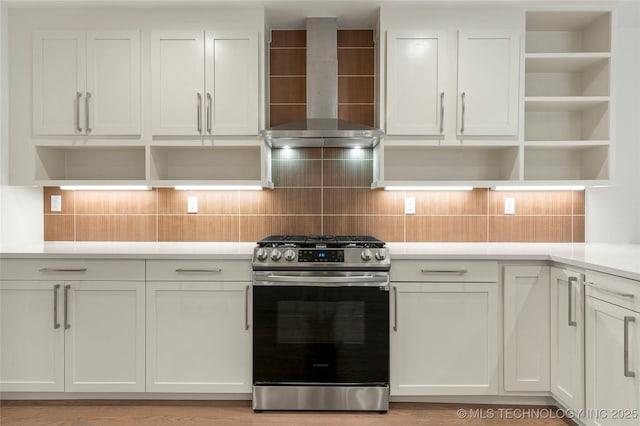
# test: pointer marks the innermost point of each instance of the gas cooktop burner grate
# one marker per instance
(328, 241)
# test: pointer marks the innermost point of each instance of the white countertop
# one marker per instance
(617, 259)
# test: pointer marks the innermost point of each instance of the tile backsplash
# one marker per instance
(318, 191)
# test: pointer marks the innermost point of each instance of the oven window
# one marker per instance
(308, 322)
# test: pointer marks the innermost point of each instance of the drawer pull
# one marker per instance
(62, 270)
(66, 307)
(606, 290)
(627, 372)
(56, 324)
(445, 271)
(570, 321)
(199, 271)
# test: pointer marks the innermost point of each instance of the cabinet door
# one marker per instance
(105, 340)
(444, 339)
(610, 387)
(488, 83)
(31, 336)
(567, 338)
(232, 83)
(415, 90)
(177, 75)
(59, 80)
(526, 328)
(113, 82)
(198, 339)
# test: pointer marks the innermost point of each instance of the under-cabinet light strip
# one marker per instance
(218, 187)
(540, 188)
(429, 188)
(105, 188)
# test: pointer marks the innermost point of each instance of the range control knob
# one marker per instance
(366, 255)
(275, 255)
(262, 254)
(289, 255)
(381, 255)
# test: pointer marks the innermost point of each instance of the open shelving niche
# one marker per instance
(221, 162)
(567, 104)
(162, 163)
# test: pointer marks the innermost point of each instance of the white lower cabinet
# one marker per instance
(612, 351)
(31, 337)
(198, 337)
(526, 328)
(444, 338)
(73, 336)
(567, 338)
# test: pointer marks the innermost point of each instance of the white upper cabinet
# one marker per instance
(421, 93)
(204, 83)
(488, 77)
(415, 91)
(86, 83)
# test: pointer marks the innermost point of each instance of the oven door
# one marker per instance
(321, 328)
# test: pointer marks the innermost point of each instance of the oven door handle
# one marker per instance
(311, 280)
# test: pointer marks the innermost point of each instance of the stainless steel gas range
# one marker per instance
(321, 323)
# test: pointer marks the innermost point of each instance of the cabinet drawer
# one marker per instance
(199, 270)
(72, 269)
(620, 291)
(444, 270)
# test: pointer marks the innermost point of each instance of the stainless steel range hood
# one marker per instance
(322, 126)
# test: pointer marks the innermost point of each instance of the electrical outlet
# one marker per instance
(509, 206)
(192, 204)
(56, 203)
(409, 205)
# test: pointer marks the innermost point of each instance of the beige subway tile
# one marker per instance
(446, 228)
(578, 202)
(451, 202)
(297, 173)
(254, 228)
(348, 173)
(171, 201)
(197, 227)
(386, 228)
(531, 229)
(58, 227)
(348, 201)
(578, 229)
(281, 201)
(115, 202)
(67, 200)
(532, 202)
(116, 228)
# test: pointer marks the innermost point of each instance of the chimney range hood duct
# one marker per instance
(322, 126)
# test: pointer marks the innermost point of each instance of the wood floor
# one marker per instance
(218, 413)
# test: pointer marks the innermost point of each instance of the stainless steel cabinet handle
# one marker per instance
(66, 307)
(441, 112)
(86, 113)
(199, 113)
(395, 308)
(202, 271)
(62, 269)
(209, 112)
(571, 322)
(606, 290)
(444, 271)
(78, 96)
(56, 324)
(462, 95)
(246, 308)
(529, 276)
(627, 373)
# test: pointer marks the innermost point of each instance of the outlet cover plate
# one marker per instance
(56, 203)
(509, 205)
(192, 204)
(409, 205)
